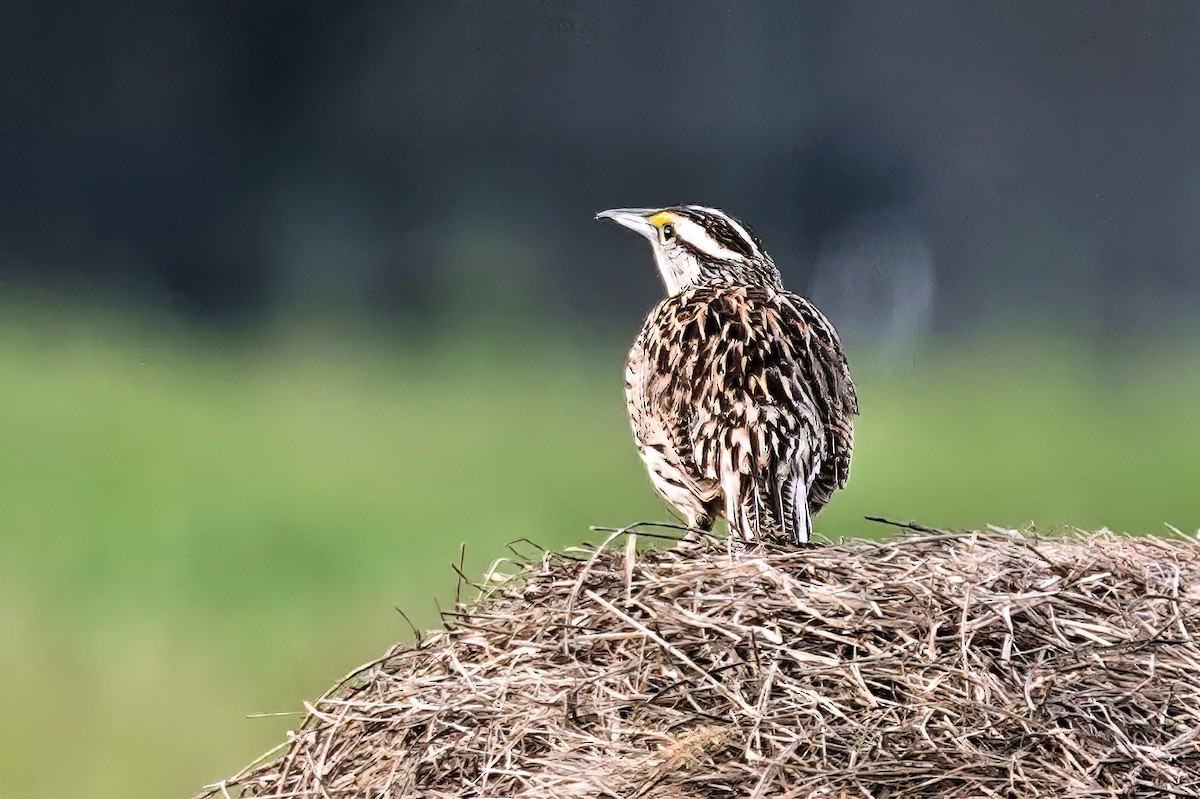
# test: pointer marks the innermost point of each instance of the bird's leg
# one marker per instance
(698, 521)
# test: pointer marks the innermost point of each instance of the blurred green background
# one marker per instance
(196, 528)
(298, 297)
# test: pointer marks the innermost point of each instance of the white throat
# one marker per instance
(678, 270)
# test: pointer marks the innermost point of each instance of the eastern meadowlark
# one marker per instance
(738, 390)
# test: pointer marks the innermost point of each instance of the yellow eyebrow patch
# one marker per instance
(661, 218)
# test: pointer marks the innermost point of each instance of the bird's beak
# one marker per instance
(636, 219)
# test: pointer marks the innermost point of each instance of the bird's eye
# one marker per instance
(668, 232)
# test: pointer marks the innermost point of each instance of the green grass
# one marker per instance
(193, 529)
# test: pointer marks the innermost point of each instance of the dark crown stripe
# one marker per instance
(718, 226)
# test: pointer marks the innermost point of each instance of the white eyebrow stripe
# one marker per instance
(733, 223)
(741, 231)
(695, 235)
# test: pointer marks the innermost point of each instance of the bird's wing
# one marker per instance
(832, 390)
(760, 380)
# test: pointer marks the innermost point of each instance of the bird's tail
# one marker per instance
(773, 506)
(795, 518)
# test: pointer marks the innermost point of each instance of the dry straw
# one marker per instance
(934, 665)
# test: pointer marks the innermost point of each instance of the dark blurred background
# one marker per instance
(235, 161)
(296, 298)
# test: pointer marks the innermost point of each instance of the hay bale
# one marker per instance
(935, 665)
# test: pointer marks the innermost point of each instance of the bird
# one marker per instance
(738, 391)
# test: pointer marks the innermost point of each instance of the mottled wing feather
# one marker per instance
(837, 400)
(747, 391)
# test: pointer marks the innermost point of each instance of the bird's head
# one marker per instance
(693, 244)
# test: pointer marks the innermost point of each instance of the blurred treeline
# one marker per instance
(931, 166)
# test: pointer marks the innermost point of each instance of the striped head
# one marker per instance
(693, 244)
